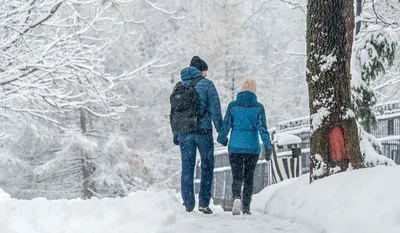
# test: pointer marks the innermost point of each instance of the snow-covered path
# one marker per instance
(226, 223)
(336, 204)
(141, 212)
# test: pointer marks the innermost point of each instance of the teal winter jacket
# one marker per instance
(245, 118)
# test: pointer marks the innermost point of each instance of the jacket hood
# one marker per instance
(190, 73)
(246, 98)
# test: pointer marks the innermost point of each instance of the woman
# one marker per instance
(246, 118)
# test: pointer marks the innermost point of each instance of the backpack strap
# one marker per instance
(192, 84)
(195, 81)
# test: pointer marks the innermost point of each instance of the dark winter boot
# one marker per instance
(246, 210)
(205, 210)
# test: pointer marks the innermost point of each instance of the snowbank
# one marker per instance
(143, 211)
(4, 195)
(363, 200)
(150, 211)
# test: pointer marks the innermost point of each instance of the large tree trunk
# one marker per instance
(334, 139)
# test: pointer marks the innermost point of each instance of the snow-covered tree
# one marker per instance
(88, 167)
(375, 48)
(51, 62)
(53, 69)
(334, 140)
(387, 86)
(374, 51)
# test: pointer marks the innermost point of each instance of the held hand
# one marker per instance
(176, 140)
(225, 142)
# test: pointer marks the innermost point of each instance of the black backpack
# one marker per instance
(185, 107)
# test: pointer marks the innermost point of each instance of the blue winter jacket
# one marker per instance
(210, 105)
(246, 118)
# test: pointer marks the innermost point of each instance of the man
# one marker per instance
(201, 137)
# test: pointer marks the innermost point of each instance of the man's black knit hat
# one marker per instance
(199, 63)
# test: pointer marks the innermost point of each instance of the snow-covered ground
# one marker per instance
(365, 200)
(142, 212)
(226, 223)
(356, 201)
(146, 211)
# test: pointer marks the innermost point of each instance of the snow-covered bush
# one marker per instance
(371, 149)
(119, 170)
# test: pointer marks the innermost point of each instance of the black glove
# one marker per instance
(176, 141)
(225, 142)
(268, 154)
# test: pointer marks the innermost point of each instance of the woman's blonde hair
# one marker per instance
(249, 84)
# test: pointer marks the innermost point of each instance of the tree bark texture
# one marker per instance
(334, 139)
